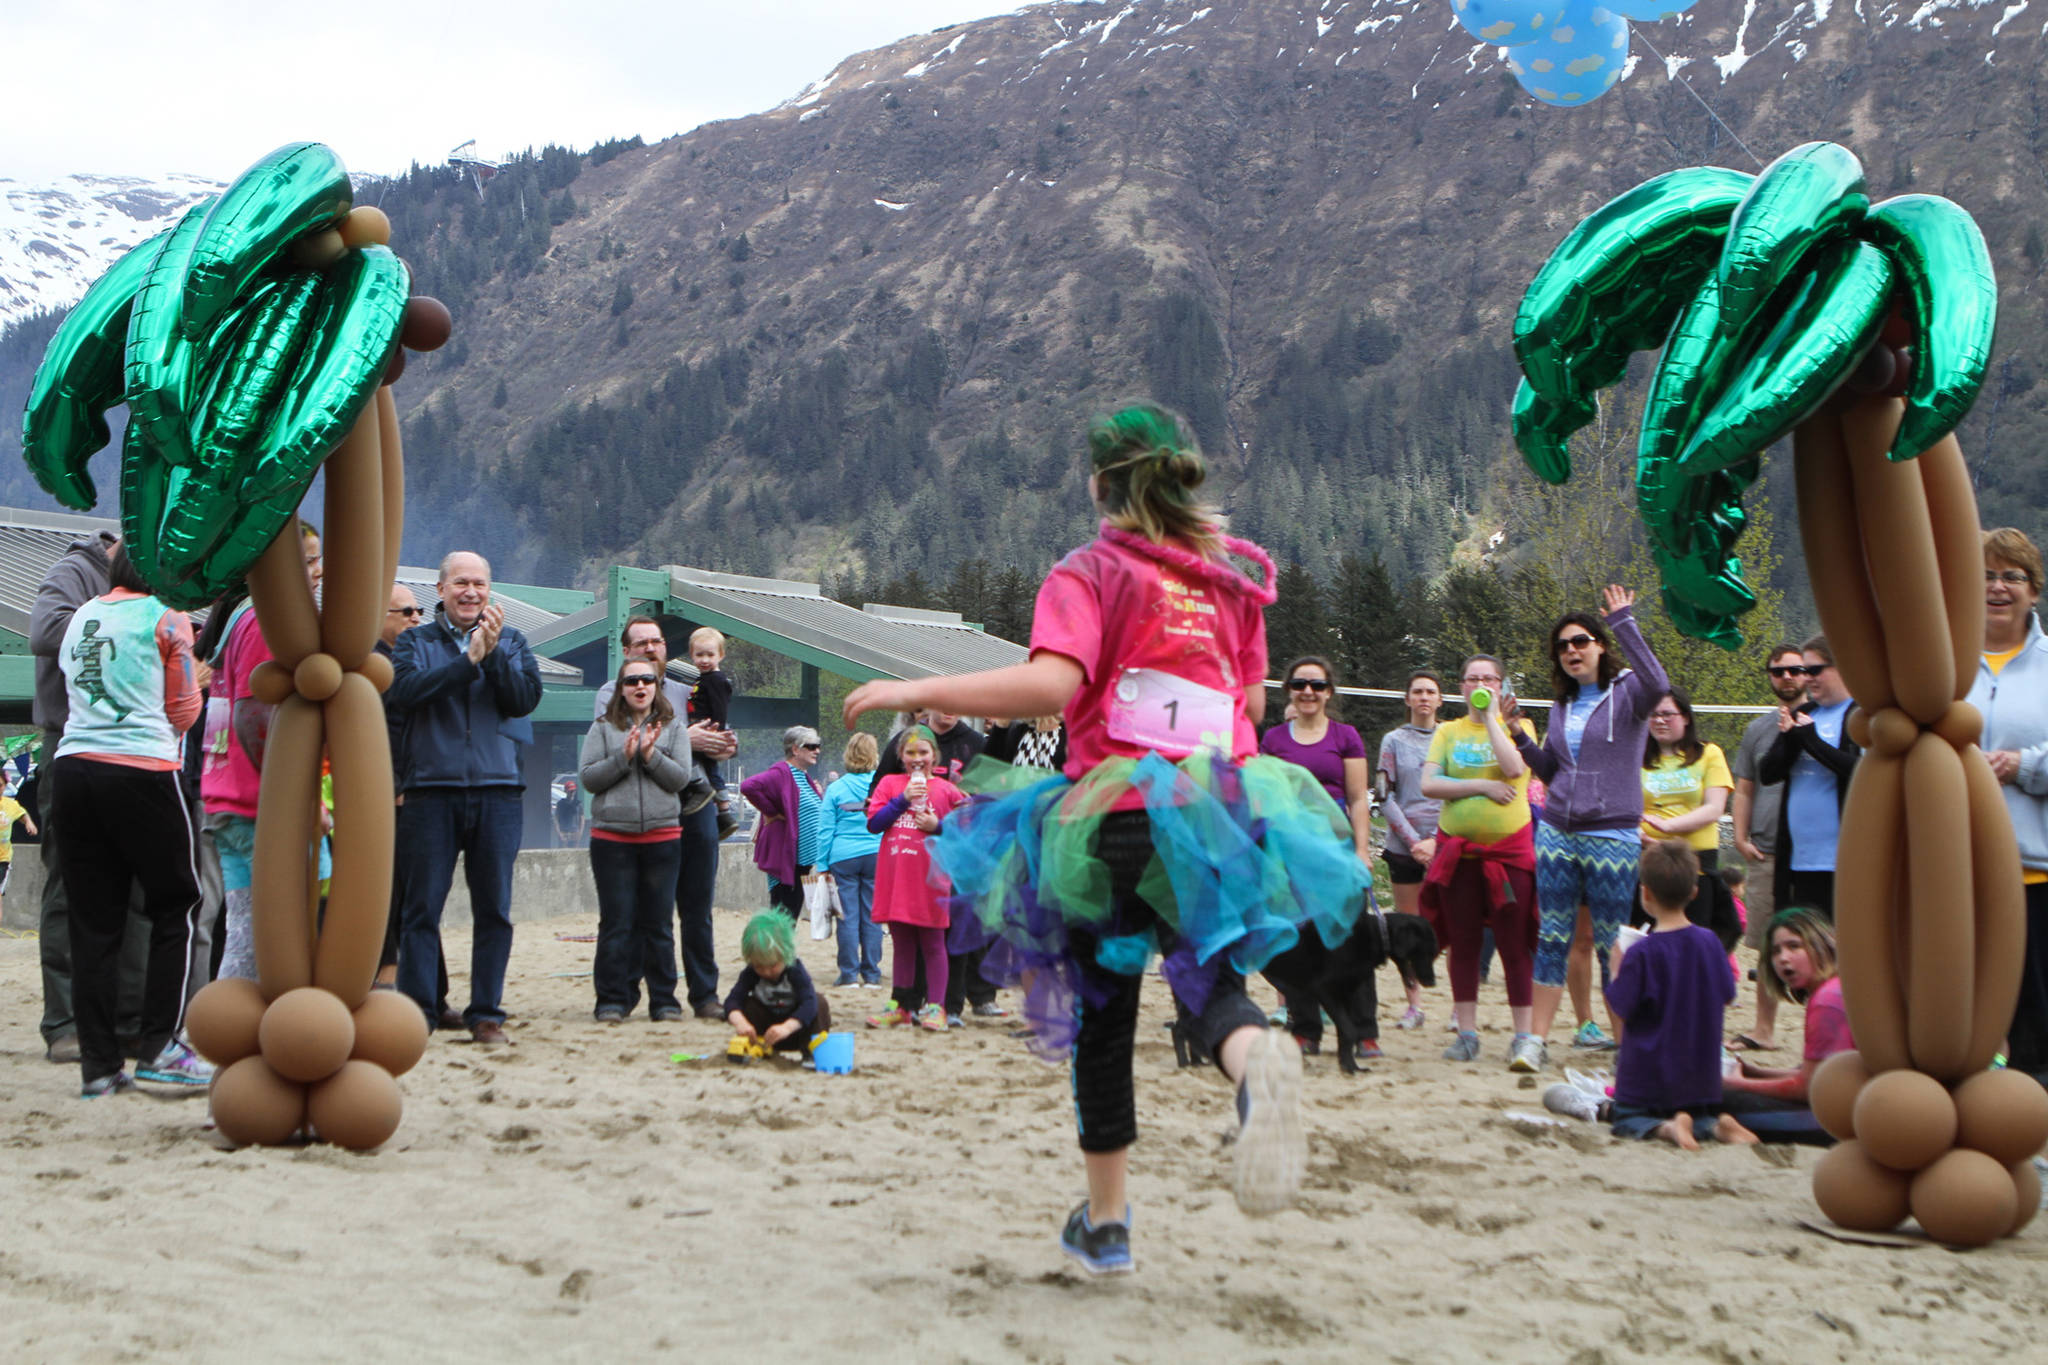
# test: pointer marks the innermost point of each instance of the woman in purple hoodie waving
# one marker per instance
(1589, 841)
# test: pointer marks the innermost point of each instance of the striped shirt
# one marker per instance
(810, 818)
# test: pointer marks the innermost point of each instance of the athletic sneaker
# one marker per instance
(1412, 1019)
(1465, 1049)
(1271, 1155)
(1572, 1102)
(955, 1021)
(891, 1016)
(1598, 1084)
(1369, 1050)
(932, 1017)
(177, 1065)
(113, 1083)
(846, 979)
(989, 1009)
(1592, 1038)
(1527, 1054)
(1104, 1250)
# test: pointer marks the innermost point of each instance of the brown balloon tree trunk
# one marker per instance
(310, 1042)
(1929, 907)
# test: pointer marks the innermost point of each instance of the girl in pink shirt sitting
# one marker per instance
(1799, 966)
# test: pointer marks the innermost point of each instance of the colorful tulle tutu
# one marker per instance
(1244, 857)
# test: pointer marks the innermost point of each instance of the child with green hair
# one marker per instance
(773, 999)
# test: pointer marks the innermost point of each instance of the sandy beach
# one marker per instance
(578, 1195)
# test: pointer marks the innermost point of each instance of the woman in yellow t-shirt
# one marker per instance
(1686, 785)
(1484, 871)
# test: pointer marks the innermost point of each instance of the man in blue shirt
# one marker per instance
(463, 684)
(1813, 757)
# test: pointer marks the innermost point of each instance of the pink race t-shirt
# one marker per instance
(228, 780)
(904, 893)
(1827, 1023)
(1111, 609)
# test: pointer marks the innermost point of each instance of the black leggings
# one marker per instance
(788, 897)
(1105, 1102)
(123, 823)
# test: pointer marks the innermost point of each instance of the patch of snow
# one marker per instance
(2012, 12)
(892, 207)
(1109, 26)
(58, 236)
(1736, 60)
(807, 115)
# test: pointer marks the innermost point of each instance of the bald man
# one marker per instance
(464, 683)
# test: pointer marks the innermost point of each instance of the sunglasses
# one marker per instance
(1307, 685)
(812, 747)
(1791, 671)
(639, 680)
(402, 611)
(1575, 642)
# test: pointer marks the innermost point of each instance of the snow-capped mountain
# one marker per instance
(56, 237)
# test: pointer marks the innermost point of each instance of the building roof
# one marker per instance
(875, 642)
(31, 541)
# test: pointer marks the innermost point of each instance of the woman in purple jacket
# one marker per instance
(1589, 840)
(792, 815)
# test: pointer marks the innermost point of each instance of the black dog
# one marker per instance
(1337, 980)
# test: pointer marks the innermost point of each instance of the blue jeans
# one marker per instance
(695, 884)
(435, 824)
(1630, 1121)
(860, 938)
(636, 885)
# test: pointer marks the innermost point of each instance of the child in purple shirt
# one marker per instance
(1668, 992)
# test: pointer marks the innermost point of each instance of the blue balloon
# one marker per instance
(1508, 23)
(1576, 60)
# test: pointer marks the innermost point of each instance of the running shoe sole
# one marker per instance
(1271, 1157)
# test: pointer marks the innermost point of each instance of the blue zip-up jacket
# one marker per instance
(2015, 708)
(463, 722)
(1603, 787)
(846, 821)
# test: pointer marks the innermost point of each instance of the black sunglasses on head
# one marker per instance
(1575, 642)
(1307, 685)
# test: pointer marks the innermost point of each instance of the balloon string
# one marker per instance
(1733, 136)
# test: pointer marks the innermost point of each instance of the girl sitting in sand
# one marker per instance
(1165, 832)
(1772, 1100)
(773, 999)
(905, 809)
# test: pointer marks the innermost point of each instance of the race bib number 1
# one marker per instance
(1170, 714)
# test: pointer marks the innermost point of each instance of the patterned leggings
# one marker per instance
(1574, 870)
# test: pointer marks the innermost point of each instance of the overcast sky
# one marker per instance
(207, 86)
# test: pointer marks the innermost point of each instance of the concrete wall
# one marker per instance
(545, 882)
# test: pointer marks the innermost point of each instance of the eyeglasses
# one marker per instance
(1307, 685)
(1791, 671)
(2018, 578)
(1575, 642)
(1481, 680)
(407, 612)
(1667, 715)
(638, 680)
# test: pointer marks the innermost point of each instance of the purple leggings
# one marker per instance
(907, 942)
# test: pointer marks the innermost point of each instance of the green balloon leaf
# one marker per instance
(1948, 276)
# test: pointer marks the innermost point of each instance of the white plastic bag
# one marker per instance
(821, 903)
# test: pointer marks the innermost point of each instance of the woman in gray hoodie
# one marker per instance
(642, 780)
(1589, 839)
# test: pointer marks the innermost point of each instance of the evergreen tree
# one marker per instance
(1296, 623)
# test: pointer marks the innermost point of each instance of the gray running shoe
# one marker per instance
(1102, 1249)
(1572, 1102)
(1464, 1049)
(113, 1083)
(177, 1065)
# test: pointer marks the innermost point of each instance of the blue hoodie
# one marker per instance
(2015, 707)
(846, 834)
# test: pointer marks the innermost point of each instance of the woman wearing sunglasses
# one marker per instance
(642, 779)
(1588, 844)
(792, 810)
(1686, 785)
(1334, 755)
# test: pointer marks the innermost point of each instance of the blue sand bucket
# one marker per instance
(834, 1053)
